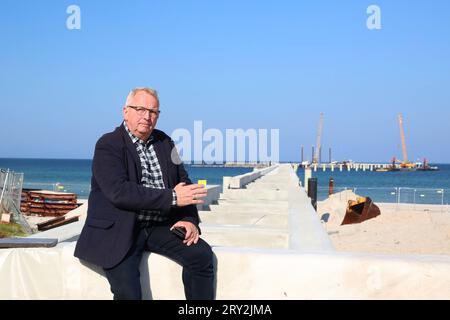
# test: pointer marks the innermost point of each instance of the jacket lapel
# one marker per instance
(162, 159)
(131, 148)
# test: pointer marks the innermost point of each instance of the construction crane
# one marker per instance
(319, 136)
(405, 163)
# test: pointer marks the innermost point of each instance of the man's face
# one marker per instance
(141, 122)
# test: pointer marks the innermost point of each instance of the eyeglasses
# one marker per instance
(142, 111)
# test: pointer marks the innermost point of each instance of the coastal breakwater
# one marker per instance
(268, 243)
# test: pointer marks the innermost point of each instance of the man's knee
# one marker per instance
(202, 253)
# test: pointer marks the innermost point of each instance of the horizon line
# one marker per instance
(208, 163)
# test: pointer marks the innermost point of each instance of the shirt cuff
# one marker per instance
(174, 198)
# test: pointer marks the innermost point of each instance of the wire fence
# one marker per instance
(10, 197)
(397, 195)
(10, 190)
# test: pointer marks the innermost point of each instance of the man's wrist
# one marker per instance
(174, 198)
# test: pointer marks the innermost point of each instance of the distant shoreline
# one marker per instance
(196, 162)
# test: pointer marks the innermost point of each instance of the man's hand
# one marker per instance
(189, 194)
(192, 234)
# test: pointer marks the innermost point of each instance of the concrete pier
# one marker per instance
(349, 166)
(274, 206)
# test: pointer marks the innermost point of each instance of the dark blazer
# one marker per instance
(117, 195)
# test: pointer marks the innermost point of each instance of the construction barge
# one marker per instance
(408, 166)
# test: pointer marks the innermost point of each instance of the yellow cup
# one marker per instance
(203, 182)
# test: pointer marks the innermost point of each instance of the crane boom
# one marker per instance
(319, 136)
(402, 137)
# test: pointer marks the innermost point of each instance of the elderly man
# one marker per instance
(139, 194)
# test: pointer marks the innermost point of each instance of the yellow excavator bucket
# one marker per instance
(360, 210)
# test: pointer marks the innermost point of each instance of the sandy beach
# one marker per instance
(403, 228)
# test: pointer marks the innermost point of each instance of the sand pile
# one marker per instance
(404, 228)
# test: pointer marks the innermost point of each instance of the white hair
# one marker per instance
(148, 90)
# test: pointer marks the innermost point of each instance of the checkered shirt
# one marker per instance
(152, 176)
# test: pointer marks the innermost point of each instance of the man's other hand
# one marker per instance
(192, 234)
(189, 194)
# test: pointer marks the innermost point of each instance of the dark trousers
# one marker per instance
(196, 259)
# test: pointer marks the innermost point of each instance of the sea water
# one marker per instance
(432, 187)
(418, 187)
(75, 175)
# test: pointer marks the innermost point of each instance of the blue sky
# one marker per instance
(231, 64)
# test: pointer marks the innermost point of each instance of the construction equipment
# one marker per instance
(426, 167)
(405, 164)
(319, 136)
(360, 210)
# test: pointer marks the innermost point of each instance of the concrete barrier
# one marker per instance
(305, 229)
(238, 182)
(276, 199)
(53, 273)
(276, 220)
(212, 197)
